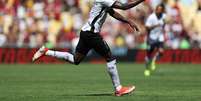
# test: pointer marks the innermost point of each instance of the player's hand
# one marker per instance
(158, 25)
(133, 26)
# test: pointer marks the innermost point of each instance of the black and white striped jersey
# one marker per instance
(97, 16)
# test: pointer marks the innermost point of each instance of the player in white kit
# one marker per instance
(90, 38)
(155, 25)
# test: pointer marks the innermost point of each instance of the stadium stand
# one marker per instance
(56, 23)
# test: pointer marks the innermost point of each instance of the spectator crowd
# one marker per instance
(56, 23)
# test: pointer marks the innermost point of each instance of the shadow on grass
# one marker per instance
(94, 94)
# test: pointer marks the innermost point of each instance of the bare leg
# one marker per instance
(158, 54)
(148, 58)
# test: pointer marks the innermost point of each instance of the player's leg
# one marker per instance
(112, 69)
(74, 59)
(81, 51)
(149, 52)
(159, 53)
(148, 59)
(101, 47)
(82, 48)
(61, 55)
(156, 56)
(113, 72)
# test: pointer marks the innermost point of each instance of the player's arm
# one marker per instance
(121, 18)
(152, 26)
(126, 6)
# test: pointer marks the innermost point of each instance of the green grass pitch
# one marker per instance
(90, 82)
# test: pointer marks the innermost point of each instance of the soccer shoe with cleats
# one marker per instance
(147, 72)
(40, 53)
(153, 65)
(148, 63)
(124, 90)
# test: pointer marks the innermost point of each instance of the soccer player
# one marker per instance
(90, 38)
(155, 26)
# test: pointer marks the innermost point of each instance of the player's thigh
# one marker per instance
(82, 46)
(81, 51)
(160, 46)
(78, 57)
(102, 48)
(151, 47)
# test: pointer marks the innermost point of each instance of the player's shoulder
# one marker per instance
(102, 1)
(99, 1)
(164, 16)
(105, 3)
(152, 16)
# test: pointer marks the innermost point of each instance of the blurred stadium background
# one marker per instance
(31, 23)
(28, 24)
(25, 25)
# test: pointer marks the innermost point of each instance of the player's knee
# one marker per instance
(109, 59)
(161, 51)
(150, 50)
(76, 63)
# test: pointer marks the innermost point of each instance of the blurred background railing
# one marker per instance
(27, 24)
(24, 56)
(56, 23)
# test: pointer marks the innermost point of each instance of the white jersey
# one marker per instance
(97, 16)
(157, 33)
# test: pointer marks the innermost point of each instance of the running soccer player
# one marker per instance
(90, 38)
(155, 26)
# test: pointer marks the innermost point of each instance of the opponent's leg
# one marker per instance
(148, 60)
(157, 55)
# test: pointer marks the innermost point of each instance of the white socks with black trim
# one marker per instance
(111, 66)
(61, 55)
(113, 72)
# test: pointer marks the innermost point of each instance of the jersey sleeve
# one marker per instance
(164, 16)
(149, 22)
(108, 3)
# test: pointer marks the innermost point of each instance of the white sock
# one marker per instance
(112, 70)
(147, 62)
(61, 55)
(155, 57)
(118, 88)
